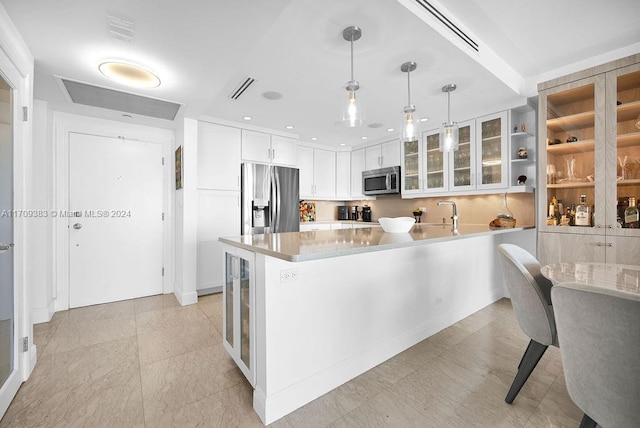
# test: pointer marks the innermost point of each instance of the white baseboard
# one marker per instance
(190, 298)
(209, 290)
(40, 315)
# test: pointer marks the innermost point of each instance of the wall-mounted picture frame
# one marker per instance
(179, 168)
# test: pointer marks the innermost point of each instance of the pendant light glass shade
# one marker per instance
(449, 141)
(352, 112)
(409, 121)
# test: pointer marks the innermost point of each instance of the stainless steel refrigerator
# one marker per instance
(270, 199)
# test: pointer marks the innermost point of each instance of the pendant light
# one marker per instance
(449, 130)
(352, 111)
(409, 125)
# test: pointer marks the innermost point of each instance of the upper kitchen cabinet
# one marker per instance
(589, 142)
(411, 167)
(317, 173)
(265, 148)
(358, 164)
(382, 155)
(218, 157)
(492, 156)
(462, 165)
(343, 175)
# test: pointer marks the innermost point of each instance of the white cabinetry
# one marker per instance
(218, 157)
(265, 148)
(343, 175)
(357, 166)
(521, 136)
(492, 160)
(317, 173)
(218, 199)
(238, 313)
(382, 155)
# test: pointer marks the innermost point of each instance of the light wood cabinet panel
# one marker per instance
(558, 247)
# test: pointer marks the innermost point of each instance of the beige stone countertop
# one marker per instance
(373, 223)
(321, 244)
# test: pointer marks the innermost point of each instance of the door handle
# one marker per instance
(5, 247)
(77, 226)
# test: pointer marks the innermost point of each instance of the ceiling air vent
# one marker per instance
(96, 96)
(244, 85)
(447, 23)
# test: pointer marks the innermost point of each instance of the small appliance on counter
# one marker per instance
(343, 212)
(354, 213)
(366, 213)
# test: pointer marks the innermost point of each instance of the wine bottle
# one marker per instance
(583, 214)
(631, 218)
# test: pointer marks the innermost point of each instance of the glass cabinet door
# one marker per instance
(491, 151)
(573, 171)
(434, 163)
(411, 169)
(623, 127)
(462, 160)
(228, 297)
(245, 312)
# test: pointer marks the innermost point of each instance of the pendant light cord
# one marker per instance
(409, 87)
(449, 107)
(352, 57)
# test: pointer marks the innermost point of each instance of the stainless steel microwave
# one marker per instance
(383, 181)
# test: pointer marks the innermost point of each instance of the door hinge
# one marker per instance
(162, 161)
(162, 216)
(25, 113)
(162, 271)
(25, 344)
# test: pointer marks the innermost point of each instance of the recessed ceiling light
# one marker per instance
(129, 74)
(424, 119)
(364, 138)
(289, 126)
(390, 129)
(342, 144)
(314, 138)
(272, 95)
(247, 118)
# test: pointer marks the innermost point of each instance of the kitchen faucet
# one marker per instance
(454, 217)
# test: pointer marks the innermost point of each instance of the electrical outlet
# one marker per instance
(288, 275)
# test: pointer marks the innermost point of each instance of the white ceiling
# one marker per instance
(202, 49)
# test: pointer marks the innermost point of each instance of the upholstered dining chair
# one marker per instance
(600, 333)
(531, 299)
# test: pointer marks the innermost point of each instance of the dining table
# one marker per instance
(609, 276)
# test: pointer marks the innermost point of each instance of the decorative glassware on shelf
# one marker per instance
(571, 174)
(623, 170)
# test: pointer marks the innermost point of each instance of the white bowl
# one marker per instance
(396, 224)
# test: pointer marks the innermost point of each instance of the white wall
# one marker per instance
(41, 257)
(186, 210)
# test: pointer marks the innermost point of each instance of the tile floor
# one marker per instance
(149, 362)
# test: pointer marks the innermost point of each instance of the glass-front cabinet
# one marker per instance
(492, 146)
(463, 160)
(435, 165)
(412, 169)
(238, 309)
(589, 169)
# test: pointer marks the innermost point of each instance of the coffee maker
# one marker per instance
(366, 213)
(354, 213)
(343, 212)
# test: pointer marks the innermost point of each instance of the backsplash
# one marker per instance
(475, 209)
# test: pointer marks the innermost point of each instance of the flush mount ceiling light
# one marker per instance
(449, 129)
(129, 74)
(352, 112)
(409, 125)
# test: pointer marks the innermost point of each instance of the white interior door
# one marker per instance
(115, 234)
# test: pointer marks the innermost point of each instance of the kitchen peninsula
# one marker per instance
(306, 312)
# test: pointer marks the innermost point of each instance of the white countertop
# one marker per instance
(321, 244)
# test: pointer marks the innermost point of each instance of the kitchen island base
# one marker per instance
(319, 323)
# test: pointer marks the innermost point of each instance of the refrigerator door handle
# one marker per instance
(275, 201)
